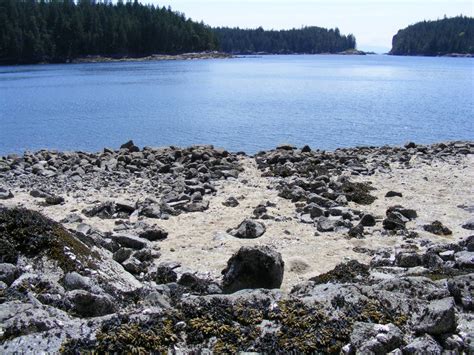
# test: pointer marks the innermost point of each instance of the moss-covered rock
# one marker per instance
(29, 233)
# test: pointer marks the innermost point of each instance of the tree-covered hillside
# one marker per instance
(304, 40)
(33, 31)
(430, 38)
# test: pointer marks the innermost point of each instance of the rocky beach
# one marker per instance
(354, 251)
(153, 57)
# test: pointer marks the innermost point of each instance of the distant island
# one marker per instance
(449, 36)
(308, 40)
(65, 31)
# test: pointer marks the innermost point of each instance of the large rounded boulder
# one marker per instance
(249, 229)
(253, 267)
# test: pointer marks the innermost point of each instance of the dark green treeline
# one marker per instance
(430, 38)
(305, 40)
(34, 31)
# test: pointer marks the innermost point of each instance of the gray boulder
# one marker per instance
(408, 213)
(369, 338)
(314, 210)
(395, 220)
(8, 273)
(151, 211)
(5, 194)
(196, 206)
(154, 234)
(357, 231)
(328, 224)
(465, 259)
(423, 345)
(253, 267)
(86, 304)
(129, 241)
(72, 218)
(462, 289)
(54, 200)
(122, 254)
(454, 343)
(34, 329)
(130, 146)
(468, 243)
(469, 225)
(367, 220)
(437, 228)
(75, 281)
(84, 229)
(393, 194)
(133, 265)
(104, 210)
(438, 318)
(39, 194)
(249, 229)
(408, 259)
(231, 202)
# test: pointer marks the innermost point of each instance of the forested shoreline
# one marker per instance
(60, 31)
(434, 38)
(309, 40)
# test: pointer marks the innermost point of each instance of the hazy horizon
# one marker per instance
(372, 22)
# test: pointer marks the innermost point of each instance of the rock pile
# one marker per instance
(319, 181)
(177, 179)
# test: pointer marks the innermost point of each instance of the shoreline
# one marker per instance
(5, 155)
(222, 55)
(152, 236)
(154, 57)
(447, 55)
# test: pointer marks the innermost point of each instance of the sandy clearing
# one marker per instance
(199, 240)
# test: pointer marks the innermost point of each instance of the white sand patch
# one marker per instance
(199, 240)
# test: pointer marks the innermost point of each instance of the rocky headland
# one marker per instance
(354, 251)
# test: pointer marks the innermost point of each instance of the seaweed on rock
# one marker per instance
(224, 325)
(343, 273)
(358, 192)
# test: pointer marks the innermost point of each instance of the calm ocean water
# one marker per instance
(245, 104)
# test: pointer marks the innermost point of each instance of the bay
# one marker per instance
(241, 104)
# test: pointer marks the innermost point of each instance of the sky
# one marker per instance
(373, 22)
